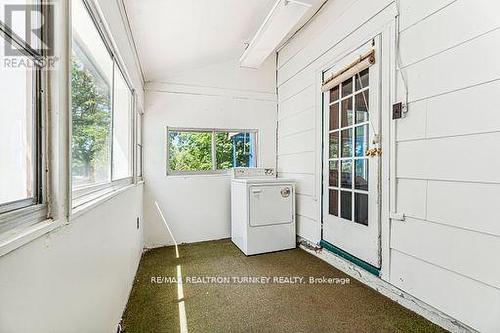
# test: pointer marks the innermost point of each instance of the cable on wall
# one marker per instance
(399, 63)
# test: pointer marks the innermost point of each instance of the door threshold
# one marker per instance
(356, 261)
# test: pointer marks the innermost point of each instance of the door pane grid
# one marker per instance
(348, 142)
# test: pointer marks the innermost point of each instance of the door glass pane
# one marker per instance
(346, 143)
(190, 151)
(361, 175)
(334, 116)
(334, 145)
(346, 205)
(347, 112)
(362, 79)
(361, 104)
(334, 173)
(347, 87)
(334, 94)
(361, 140)
(333, 202)
(346, 174)
(361, 208)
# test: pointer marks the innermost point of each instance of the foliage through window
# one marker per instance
(101, 109)
(203, 151)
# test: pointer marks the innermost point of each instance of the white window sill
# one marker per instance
(98, 199)
(15, 238)
(18, 237)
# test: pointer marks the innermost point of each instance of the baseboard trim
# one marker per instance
(399, 296)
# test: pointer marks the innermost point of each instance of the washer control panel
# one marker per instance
(254, 173)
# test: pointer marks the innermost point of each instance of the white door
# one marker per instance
(351, 113)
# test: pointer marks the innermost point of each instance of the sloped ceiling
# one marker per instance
(175, 36)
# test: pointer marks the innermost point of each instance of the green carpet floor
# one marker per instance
(236, 306)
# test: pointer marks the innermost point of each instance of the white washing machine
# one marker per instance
(262, 211)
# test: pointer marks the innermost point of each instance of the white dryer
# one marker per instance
(262, 211)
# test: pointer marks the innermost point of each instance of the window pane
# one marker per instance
(361, 174)
(139, 144)
(346, 205)
(361, 208)
(333, 203)
(92, 72)
(361, 103)
(347, 87)
(334, 116)
(346, 143)
(17, 167)
(346, 174)
(190, 151)
(361, 140)
(362, 79)
(235, 149)
(334, 145)
(334, 173)
(122, 138)
(347, 113)
(14, 13)
(334, 94)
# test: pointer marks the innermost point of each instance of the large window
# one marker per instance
(207, 150)
(101, 110)
(20, 125)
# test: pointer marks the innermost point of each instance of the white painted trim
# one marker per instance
(89, 205)
(178, 88)
(130, 37)
(27, 235)
(399, 296)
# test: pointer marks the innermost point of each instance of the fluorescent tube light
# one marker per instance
(283, 17)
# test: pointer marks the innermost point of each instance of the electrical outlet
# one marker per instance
(138, 223)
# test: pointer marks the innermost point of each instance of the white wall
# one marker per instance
(197, 208)
(77, 278)
(445, 253)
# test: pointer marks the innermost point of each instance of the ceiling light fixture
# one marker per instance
(283, 18)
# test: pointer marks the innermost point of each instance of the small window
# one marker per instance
(208, 151)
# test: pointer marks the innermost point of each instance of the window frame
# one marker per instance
(84, 194)
(29, 211)
(213, 131)
(139, 144)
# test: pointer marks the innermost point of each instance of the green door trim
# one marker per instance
(341, 253)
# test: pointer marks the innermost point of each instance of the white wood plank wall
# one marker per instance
(447, 162)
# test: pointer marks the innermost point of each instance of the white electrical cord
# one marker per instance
(399, 64)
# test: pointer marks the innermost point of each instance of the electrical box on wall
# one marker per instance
(397, 110)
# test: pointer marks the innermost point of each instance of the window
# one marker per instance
(206, 150)
(122, 127)
(139, 151)
(101, 110)
(21, 127)
(349, 138)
